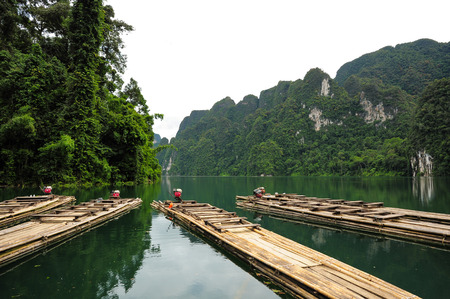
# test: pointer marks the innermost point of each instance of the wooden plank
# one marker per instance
(419, 230)
(204, 211)
(385, 217)
(324, 207)
(347, 210)
(226, 227)
(52, 215)
(45, 197)
(335, 201)
(373, 204)
(72, 214)
(197, 209)
(78, 209)
(354, 203)
(425, 224)
(295, 203)
(99, 204)
(218, 216)
(307, 204)
(188, 202)
(13, 206)
(211, 213)
(225, 219)
(377, 212)
(191, 205)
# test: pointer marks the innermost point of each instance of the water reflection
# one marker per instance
(374, 247)
(186, 267)
(423, 188)
(143, 255)
(257, 217)
(320, 237)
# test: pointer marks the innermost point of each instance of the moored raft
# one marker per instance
(23, 207)
(368, 217)
(47, 229)
(302, 271)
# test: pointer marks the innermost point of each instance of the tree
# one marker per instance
(132, 93)
(17, 137)
(265, 158)
(86, 31)
(61, 119)
(55, 159)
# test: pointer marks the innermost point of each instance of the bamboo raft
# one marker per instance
(303, 272)
(47, 229)
(368, 217)
(23, 207)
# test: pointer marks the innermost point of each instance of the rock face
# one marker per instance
(422, 164)
(316, 116)
(325, 90)
(169, 165)
(373, 113)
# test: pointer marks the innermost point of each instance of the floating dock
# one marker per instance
(22, 207)
(303, 272)
(46, 229)
(368, 217)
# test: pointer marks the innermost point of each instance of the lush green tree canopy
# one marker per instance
(63, 114)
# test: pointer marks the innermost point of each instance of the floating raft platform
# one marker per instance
(303, 272)
(368, 217)
(23, 207)
(47, 229)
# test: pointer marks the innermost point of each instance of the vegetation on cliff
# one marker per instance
(357, 124)
(431, 127)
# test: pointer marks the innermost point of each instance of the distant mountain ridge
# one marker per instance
(356, 124)
(410, 66)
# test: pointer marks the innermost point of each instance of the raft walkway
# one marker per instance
(46, 229)
(370, 217)
(303, 272)
(23, 207)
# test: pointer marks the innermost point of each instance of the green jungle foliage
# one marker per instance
(357, 124)
(410, 66)
(431, 128)
(64, 117)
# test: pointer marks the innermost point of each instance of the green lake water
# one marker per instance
(144, 255)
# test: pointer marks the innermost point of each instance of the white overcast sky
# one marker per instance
(188, 54)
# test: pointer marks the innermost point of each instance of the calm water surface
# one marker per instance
(144, 255)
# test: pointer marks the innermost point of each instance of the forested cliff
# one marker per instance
(65, 115)
(383, 114)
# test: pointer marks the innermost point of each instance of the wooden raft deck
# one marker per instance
(374, 218)
(23, 207)
(50, 228)
(302, 271)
